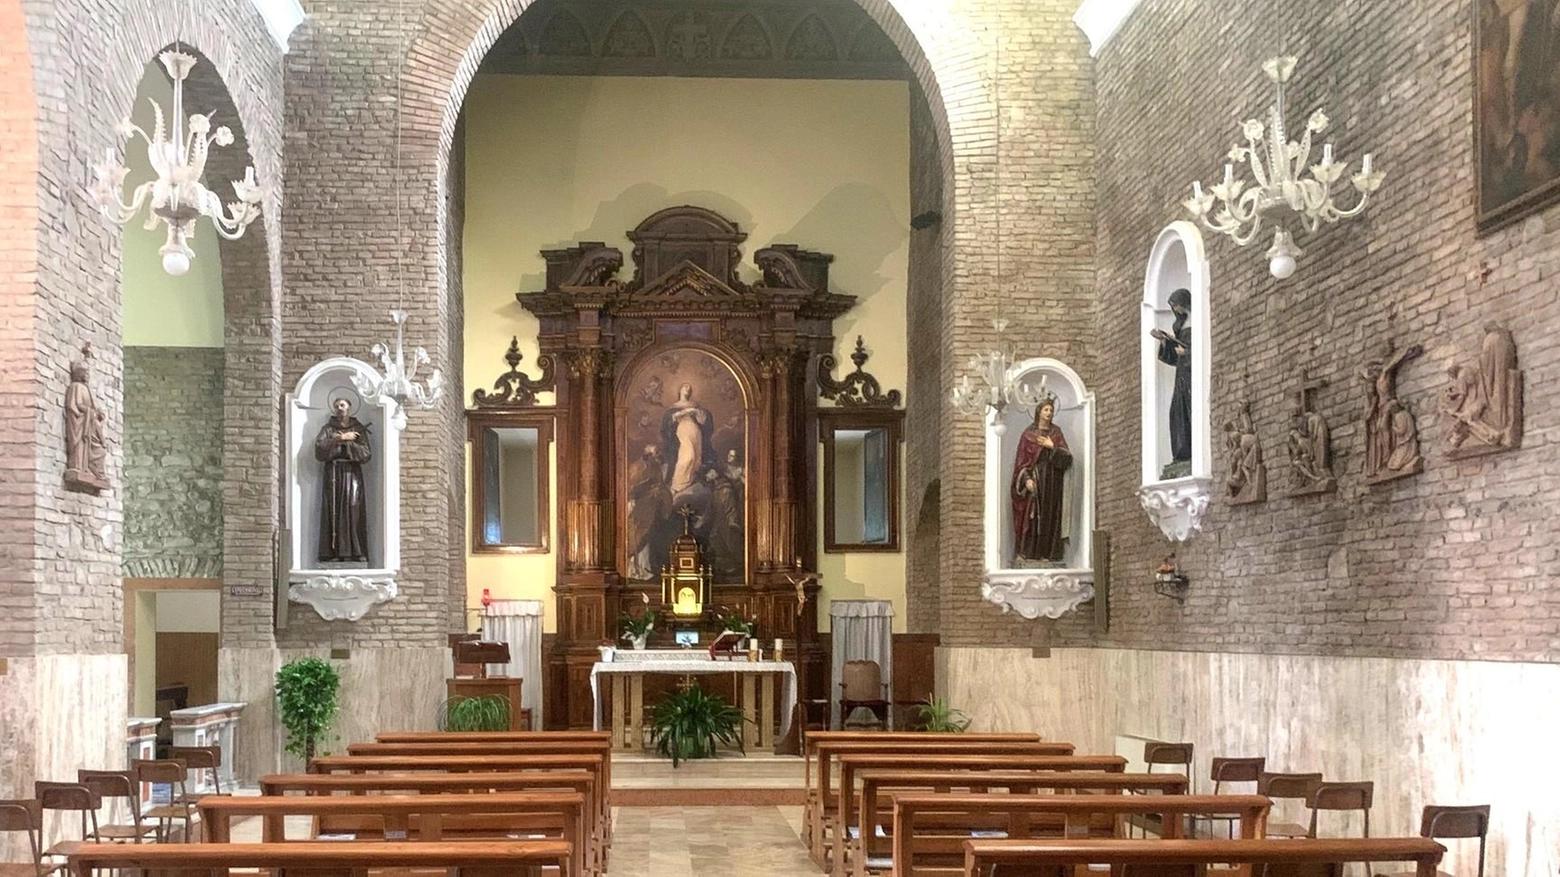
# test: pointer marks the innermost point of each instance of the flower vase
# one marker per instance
(638, 642)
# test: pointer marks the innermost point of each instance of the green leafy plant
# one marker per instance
(936, 715)
(734, 621)
(635, 626)
(690, 724)
(488, 712)
(306, 698)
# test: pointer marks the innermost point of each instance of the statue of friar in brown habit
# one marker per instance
(342, 446)
(85, 450)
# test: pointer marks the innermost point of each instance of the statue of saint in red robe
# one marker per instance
(1039, 470)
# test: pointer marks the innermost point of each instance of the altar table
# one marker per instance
(756, 698)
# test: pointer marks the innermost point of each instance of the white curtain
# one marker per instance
(519, 623)
(862, 630)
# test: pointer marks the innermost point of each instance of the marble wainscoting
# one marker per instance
(1426, 732)
(60, 713)
(381, 690)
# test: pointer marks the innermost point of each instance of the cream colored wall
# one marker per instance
(1426, 732)
(145, 693)
(161, 310)
(555, 160)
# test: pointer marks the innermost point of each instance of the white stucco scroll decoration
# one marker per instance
(340, 591)
(343, 597)
(1175, 501)
(1048, 591)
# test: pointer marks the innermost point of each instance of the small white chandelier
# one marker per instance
(178, 195)
(1280, 194)
(399, 381)
(999, 388)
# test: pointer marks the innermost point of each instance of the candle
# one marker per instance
(1327, 154)
(1365, 167)
(1197, 189)
(1229, 174)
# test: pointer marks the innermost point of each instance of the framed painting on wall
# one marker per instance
(1516, 109)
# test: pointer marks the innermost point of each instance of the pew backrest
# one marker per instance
(1129, 856)
(509, 858)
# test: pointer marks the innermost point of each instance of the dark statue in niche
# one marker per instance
(1175, 349)
(1483, 405)
(1310, 447)
(1247, 481)
(1391, 435)
(1038, 489)
(342, 445)
(86, 452)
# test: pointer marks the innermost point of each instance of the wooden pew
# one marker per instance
(428, 818)
(819, 803)
(580, 782)
(841, 799)
(528, 743)
(595, 763)
(487, 736)
(324, 858)
(879, 787)
(929, 830)
(1190, 858)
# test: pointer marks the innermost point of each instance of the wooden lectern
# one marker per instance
(482, 653)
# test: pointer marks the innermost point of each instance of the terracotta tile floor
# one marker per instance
(709, 841)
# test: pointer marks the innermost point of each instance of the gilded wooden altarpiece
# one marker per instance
(683, 386)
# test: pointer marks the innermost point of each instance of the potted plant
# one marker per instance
(306, 692)
(690, 724)
(487, 712)
(636, 628)
(732, 621)
(936, 715)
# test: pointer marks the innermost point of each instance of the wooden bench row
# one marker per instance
(324, 858)
(1193, 858)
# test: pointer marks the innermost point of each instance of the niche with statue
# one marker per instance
(1039, 487)
(1175, 352)
(343, 492)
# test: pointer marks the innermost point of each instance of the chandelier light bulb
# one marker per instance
(1289, 190)
(176, 263)
(1000, 427)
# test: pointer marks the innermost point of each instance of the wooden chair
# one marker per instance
(1291, 787)
(1437, 822)
(1341, 797)
(200, 758)
(68, 798)
(1156, 754)
(862, 685)
(25, 814)
(180, 808)
(112, 785)
(1228, 770)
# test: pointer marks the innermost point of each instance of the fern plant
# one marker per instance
(690, 724)
(937, 715)
(488, 712)
(306, 698)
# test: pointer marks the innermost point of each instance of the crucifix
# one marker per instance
(687, 513)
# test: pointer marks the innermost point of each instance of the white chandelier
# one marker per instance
(178, 196)
(998, 387)
(399, 382)
(1281, 194)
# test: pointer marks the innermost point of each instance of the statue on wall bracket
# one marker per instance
(1482, 408)
(1038, 491)
(1247, 481)
(1391, 434)
(1310, 445)
(342, 448)
(1175, 349)
(86, 451)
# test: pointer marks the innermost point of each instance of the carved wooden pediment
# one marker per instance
(688, 281)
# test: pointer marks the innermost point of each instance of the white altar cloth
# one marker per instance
(679, 662)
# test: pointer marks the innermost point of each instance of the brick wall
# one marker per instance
(87, 57)
(1452, 563)
(921, 503)
(173, 459)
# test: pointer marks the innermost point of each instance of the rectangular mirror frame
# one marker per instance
(477, 422)
(833, 420)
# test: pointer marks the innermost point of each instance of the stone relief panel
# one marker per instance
(1391, 432)
(1481, 410)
